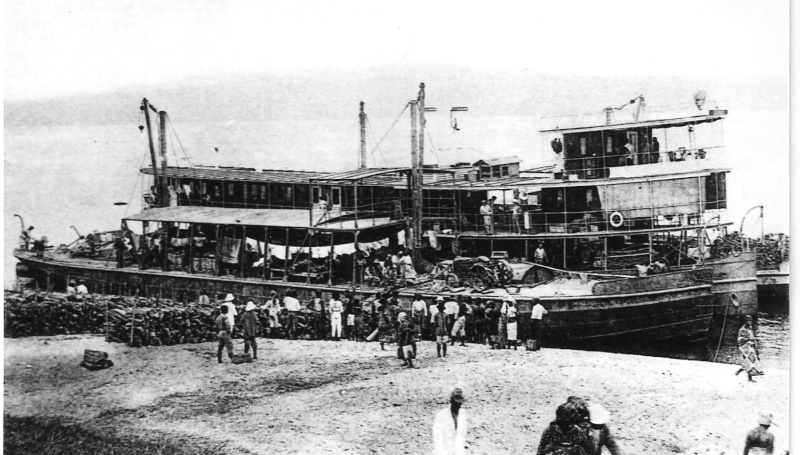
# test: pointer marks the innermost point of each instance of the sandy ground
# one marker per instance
(346, 397)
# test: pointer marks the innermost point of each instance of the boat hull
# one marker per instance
(773, 291)
(644, 309)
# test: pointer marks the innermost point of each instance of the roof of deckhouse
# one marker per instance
(657, 123)
(265, 175)
(285, 218)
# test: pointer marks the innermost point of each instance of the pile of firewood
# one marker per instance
(33, 314)
(139, 321)
(770, 252)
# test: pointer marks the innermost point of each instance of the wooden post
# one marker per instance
(415, 196)
(266, 254)
(355, 257)
(286, 258)
(355, 203)
(144, 251)
(526, 249)
(164, 247)
(243, 251)
(650, 238)
(330, 263)
(191, 248)
(605, 257)
(565, 254)
(218, 252)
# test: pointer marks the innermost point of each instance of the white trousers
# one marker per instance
(336, 324)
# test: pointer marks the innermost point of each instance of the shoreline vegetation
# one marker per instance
(347, 397)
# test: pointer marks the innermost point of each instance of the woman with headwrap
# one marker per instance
(569, 433)
(751, 363)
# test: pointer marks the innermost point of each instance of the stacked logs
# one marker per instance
(138, 321)
(770, 251)
(33, 314)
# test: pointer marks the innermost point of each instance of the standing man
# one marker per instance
(250, 328)
(536, 323)
(440, 329)
(459, 326)
(81, 289)
(292, 305)
(228, 302)
(419, 313)
(516, 217)
(432, 310)
(450, 427)
(600, 433)
(273, 309)
(224, 328)
(760, 437)
(317, 305)
(336, 308)
(203, 300)
(451, 308)
(539, 257)
(510, 313)
(405, 340)
(486, 212)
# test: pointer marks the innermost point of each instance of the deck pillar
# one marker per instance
(266, 254)
(217, 252)
(355, 256)
(191, 248)
(330, 263)
(286, 258)
(243, 251)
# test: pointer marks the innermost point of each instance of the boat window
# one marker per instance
(583, 146)
(263, 191)
(486, 172)
(230, 189)
(315, 195)
(336, 196)
(496, 171)
(504, 171)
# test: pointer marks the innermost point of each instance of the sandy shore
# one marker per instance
(346, 397)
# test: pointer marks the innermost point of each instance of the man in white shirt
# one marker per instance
(450, 427)
(486, 212)
(451, 309)
(536, 323)
(336, 309)
(406, 266)
(81, 289)
(273, 309)
(292, 305)
(419, 312)
(228, 302)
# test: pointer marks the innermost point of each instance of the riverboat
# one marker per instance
(595, 216)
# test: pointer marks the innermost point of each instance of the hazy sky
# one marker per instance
(56, 48)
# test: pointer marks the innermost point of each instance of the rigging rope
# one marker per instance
(175, 133)
(390, 128)
(136, 182)
(433, 148)
(372, 154)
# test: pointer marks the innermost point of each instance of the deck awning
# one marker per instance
(225, 216)
(285, 218)
(659, 123)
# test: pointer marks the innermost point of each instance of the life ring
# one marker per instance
(616, 219)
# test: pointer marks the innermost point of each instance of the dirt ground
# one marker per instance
(345, 397)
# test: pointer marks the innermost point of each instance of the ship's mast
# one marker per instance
(415, 199)
(362, 120)
(156, 180)
(418, 180)
(162, 142)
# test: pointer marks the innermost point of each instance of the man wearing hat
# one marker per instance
(760, 438)
(405, 340)
(486, 212)
(292, 305)
(440, 328)
(450, 427)
(228, 302)
(273, 309)
(509, 312)
(601, 434)
(250, 328)
(224, 329)
(81, 289)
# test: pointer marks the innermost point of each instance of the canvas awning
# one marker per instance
(658, 123)
(286, 218)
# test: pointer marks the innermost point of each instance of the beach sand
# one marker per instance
(346, 397)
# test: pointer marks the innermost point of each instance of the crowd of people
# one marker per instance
(446, 320)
